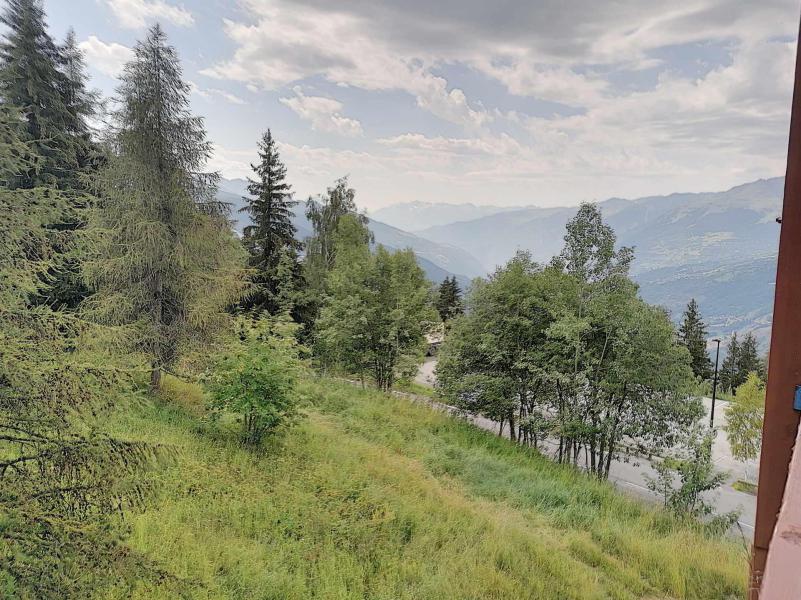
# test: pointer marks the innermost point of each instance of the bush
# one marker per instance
(256, 379)
(186, 394)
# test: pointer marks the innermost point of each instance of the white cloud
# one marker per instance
(107, 58)
(135, 14)
(324, 114)
(210, 93)
(546, 82)
(289, 43)
(675, 129)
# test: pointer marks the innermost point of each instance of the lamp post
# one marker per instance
(714, 386)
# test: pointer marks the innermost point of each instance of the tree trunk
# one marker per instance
(155, 376)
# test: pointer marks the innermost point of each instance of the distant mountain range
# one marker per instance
(416, 216)
(719, 248)
(437, 260)
(665, 230)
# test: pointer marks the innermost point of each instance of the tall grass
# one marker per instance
(375, 497)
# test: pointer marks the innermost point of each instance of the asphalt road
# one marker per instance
(630, 475)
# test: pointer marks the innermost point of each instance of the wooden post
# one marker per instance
(784, 369)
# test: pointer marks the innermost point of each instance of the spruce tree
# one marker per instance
(32, 79)
(747, 360)
(729, 369)
(449, 299)
(46, 84)
(270, 240)
(693, 333)
(169, 263)
(80, 101)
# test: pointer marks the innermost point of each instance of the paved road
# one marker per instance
(631, 475)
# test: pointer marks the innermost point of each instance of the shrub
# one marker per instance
(186, 394)
(256, 379)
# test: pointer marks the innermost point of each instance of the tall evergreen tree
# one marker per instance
(271, 238)
(169, 263)
(81, 102)
(32, 78)
(449, 299)
(47, 85)
(62, 479)
(729, 368)
(693, 333)
(747, 361)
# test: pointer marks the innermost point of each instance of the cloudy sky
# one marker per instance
(509, 102)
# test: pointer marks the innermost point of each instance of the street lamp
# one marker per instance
(714, 386)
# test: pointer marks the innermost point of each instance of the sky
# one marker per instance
(509, 102)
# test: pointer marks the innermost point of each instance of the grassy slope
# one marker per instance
(374, 497)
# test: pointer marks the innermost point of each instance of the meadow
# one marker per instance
(372, 496)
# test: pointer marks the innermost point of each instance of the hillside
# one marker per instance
(422, 506)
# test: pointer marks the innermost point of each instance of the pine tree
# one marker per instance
(747, 361)
(729, 368)
(62, 480)
(80, 101)
(271, 238)
(693, 333)
(47, 86)
(449, 299)
(169, 263)
(32, 79)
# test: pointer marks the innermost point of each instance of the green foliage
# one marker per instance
(449, 299)
(744, 419)
(167, 262)
(35, 78)
(741, 359)
(376, 497)
(571, 351)
(693, 333)
(695, 470)
(256, 378)
(321, 248)
(63, 482)
(270, 240)
(44, 96)
(377, 311)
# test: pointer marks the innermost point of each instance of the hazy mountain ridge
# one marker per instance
(437, 260)
(665, 230)
(719, 247)
(416, 216)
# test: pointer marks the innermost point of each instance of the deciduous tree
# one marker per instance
(744, 419)
(377, 310)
